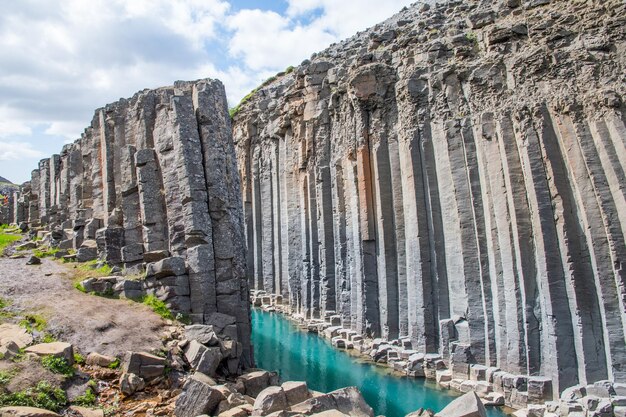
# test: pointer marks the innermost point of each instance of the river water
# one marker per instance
(300, 356)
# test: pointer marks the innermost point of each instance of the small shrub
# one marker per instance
(289, 69)
(87, 399)
(157, 306)
(44, 395)
(57, 365)
(471, 36)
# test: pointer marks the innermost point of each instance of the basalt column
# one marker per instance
(152, 186)
(466, 162)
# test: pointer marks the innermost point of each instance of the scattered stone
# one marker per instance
(202, 334)
(131, 383)
(255, 382)
(468, 405)
(269, 400)
(143, 364)
(198, 397)
(16, 411)
(26, 246)
(296, 392)
(203, 359)
(56, 349)
(16, 334)
(96, 359)
(33, 260)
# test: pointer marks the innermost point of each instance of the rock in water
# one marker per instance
(467, 405)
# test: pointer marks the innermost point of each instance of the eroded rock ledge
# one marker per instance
(152, 184)
(453, 177)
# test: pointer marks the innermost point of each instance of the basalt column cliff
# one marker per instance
(152, 184)
(455, 174)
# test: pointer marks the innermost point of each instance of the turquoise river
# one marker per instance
(300, 356)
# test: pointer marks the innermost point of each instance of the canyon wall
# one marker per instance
(455, 174)
(152, 185)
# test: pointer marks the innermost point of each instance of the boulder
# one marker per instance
(26, 246)
(255, 382)
(9, 350)
(422, 412)
(87, 412)
(203, 359)
(172, 266)
(16, 334)
(296, 392)
(56, 349)
(330, 413)
(345, 400)
(144, 365)
(131, 383)
(198, 397)
(269, 400)
(96, 359)
(234, 412)
(202, 334)
(33, 260)
(16, 411)
(468, 405)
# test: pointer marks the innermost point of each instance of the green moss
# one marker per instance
(157, 306)
(44, 395)
(87, 399)
(33, 322)
(115, 364)
(57, 365)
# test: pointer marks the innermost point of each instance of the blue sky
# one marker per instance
(62, 59)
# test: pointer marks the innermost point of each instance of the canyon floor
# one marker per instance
(91, 324)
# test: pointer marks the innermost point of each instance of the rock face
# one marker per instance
(454, 175)
(152, 184)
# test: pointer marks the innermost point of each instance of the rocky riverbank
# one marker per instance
(524, 395)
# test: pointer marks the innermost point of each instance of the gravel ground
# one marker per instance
(89, 322)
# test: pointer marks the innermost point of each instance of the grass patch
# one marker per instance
(6, 376)
(115, 364)
(85, 270)
(6, 239)
(41, 253)
(4, 312)
(79, 359)
(57, 365)
(48, 338)
(33, 322)
(157, 306)
(80, 287)
(43, 395)
(87, 399)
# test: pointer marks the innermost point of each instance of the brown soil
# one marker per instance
(90, 323)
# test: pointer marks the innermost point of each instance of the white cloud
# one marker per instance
(265, 39)
(63, 59)
(18, 150)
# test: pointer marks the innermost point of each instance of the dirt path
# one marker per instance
(89, 322)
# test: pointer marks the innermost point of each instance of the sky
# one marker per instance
(62, 59)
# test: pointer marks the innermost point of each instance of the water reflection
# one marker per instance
(300, 356)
